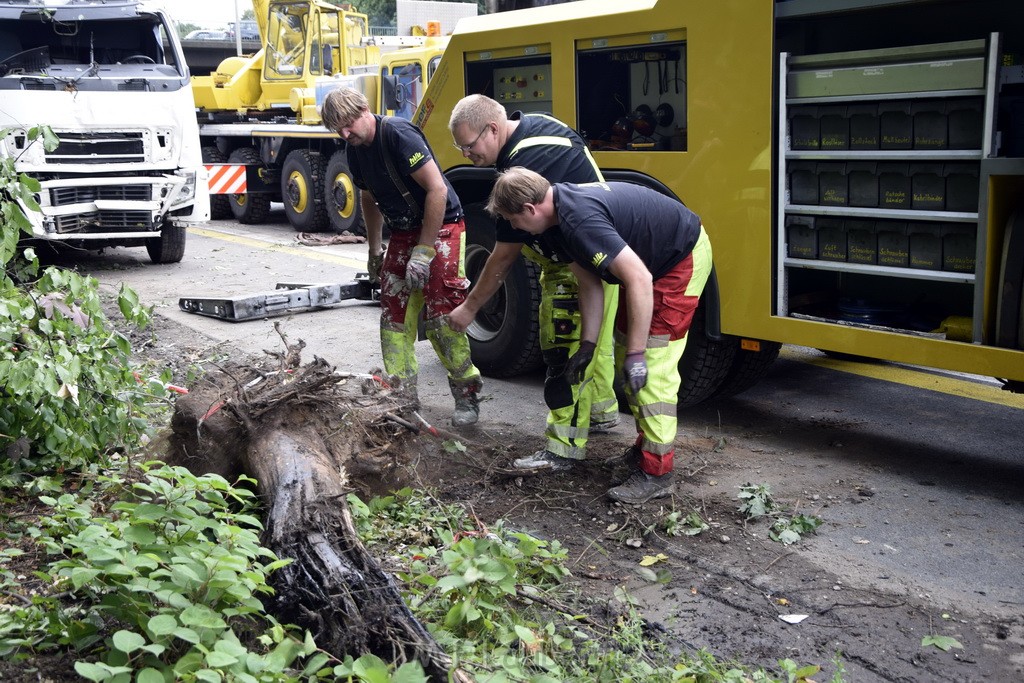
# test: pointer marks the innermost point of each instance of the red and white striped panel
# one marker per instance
(226, 178)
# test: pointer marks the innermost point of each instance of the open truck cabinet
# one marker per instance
(878, 187)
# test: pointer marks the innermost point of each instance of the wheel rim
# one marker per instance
(491, 317)
(344, 193)
(298, 192)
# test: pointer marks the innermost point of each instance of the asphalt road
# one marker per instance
(938, 455)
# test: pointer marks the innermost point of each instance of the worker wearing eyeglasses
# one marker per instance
(487, 136)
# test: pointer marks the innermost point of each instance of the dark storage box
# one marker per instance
(966, 124)
(834, 127)
(893, 246)
(863, 126)
(833, 189)
(930, 130)
(831, 239)
(863, 183)
(893, 185)
(861, 241)
(803, 182)
(925, 245)
(961, 187)
(895, 126)
(959, 244)
(928, 186)
(801, 237)
(804, 132)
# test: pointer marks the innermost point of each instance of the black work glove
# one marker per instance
(635, 371)
(577, 365)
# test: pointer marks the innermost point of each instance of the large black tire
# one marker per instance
(705, 363)
(505, 336)
(220, 206)
(341, 196)
(302, 189)
(251, 209)
(169, 247)
(748, 368)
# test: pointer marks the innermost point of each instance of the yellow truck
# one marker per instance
(259, 120)
(857, 163)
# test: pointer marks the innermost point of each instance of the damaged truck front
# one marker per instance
(110, 80)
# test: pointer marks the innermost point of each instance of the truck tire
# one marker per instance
(748, 368)
(220, 208)
(302, 189)
(505, 336)
(250, 209)
(342, 196)
(169, 247)
(705, 363)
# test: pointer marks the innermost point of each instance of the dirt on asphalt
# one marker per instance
(729, 588)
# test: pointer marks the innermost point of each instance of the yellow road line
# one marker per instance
(922, 379)
(304, 252)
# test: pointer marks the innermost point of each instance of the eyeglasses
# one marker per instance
(469, 147)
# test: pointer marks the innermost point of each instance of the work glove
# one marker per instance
(373, 265)
(577, 365)
(635, 371)
(418, 271)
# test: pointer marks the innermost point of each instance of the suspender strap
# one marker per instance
(398, 180)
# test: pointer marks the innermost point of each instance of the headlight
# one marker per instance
(187, 192)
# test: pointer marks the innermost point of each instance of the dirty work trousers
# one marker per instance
(401, 306)
(572, 407)
(654, 407)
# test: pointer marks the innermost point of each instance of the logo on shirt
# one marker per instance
(415, 159)
(599, 258)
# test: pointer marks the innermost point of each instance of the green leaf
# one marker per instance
(944, 643)
(150, 675)
(162, 625)
(220, 659)
(90, 671)
(81, 576)
(200, 616)
(128, 641)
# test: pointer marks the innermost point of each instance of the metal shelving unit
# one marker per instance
(973, 74)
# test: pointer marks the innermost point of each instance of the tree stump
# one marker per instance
(309, 436)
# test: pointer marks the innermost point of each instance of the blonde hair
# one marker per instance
(514, 188)
(476, 111)
(341, 107)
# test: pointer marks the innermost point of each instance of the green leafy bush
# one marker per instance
(68, 391)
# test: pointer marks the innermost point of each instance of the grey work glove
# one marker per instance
(635, 371)
(373, 265)
(417, 272)
(576, 368)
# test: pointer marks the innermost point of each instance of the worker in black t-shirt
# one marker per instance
(402, 185)
(487, 136)
(658, 252)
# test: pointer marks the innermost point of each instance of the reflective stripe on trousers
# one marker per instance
(654, 406)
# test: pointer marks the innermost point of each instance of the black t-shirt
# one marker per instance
(409, 152)
(546, 146)
(597, 220)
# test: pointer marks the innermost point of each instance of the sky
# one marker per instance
(205, 13)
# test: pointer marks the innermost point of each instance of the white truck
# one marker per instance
(111, 82)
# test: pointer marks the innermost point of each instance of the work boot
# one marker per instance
(543, 460)
(642, 487)
(467, 401)
(598, 426)
(630, 458)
